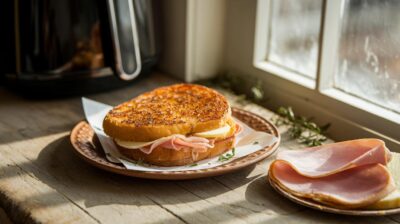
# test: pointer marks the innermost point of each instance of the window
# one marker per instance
(345, 52)
(292, 44)
(369, 52)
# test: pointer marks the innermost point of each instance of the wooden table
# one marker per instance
(42, 181)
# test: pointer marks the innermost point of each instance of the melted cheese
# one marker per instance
(137, 145)
(132, 145)
(219, 132)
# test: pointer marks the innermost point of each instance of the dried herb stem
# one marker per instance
(301, 128)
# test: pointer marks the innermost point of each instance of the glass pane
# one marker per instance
(294, 35)
(369, 51)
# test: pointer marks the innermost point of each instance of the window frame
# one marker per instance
(370, 117)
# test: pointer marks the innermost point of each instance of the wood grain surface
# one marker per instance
(43, 181)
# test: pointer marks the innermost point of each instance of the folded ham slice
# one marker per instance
(333, 158)
(348, 174)
(179, 142)
(353, 188)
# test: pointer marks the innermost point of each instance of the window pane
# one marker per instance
(369, 51)
(294, 35)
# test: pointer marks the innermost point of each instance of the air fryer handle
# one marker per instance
(127, 61)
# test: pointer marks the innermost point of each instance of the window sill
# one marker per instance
(285, 73)
(363, 105)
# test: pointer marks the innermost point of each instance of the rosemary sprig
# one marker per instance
(301, 128)
(227, 156)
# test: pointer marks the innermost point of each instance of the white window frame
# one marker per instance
(374, 119)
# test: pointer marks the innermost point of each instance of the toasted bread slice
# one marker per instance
(177, 109)
(170, 157)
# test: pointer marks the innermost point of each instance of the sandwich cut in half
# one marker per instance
(173, 125)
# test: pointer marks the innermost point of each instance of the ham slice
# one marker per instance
(336, 157)
(176, 141)
(352, 188)
(179, 142)
(348, 174)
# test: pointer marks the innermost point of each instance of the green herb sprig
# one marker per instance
(301, 128)
(227, 156)
(139, 162)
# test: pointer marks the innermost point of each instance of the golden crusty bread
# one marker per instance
(177, 109)
(170, 157)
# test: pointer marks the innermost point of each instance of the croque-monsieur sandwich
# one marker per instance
(173, 125)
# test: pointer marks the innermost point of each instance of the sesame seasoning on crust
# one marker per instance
(181, 104)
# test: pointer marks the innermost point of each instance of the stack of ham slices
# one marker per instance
(346, 175)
